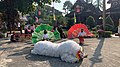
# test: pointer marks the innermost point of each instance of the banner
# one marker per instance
(74, 18)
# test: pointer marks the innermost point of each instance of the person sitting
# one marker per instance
(13, 39)
(25, 28)
(45, 36)
(81, 36)
(29, 30)
(32, 28)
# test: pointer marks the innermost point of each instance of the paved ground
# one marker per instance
(103, 52)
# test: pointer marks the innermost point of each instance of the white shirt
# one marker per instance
(81, 34)
(45, 36)
(18, 24)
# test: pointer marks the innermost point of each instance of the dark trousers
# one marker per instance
(19, 29)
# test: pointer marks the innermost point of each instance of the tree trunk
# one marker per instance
(104, 8)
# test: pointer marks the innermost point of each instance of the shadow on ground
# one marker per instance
(28, 42)
(96, 56)
(54, 62)
(23, 51)
(8, 42)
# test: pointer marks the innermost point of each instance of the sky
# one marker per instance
(59, 6)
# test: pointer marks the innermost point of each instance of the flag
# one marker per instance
(36, 19)
(74, 18)
(54, 18)
(78, 10)
(39, 12)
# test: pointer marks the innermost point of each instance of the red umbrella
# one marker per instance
(75, 29)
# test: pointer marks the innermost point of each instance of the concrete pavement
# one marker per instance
(104, 52)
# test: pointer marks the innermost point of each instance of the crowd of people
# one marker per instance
(29, 29)
(62, 34)
(59, 29)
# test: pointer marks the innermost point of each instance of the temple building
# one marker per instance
(114, 11)
(82, 10)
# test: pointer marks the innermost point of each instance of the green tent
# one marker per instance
(39, 31)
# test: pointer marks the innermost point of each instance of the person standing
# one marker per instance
(29, 30)
(19, 27)
(81, 36)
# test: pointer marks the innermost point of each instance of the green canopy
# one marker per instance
(39, 31)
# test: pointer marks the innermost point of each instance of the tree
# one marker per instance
(109, 27)
(109, 20)
(24, 6)
(70, 22)
(109, 24)
(62, 20)
(104, 13)
(98, 3)
(67, 6)
(11, 8)
(90, 21)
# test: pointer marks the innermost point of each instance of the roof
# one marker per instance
(80, 3)
(88, 8)
(49, 10)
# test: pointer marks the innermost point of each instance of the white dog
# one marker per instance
(68, 51)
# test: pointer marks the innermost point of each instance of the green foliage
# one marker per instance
(103, 34)
(95, 33)
(70, 23)
(109, 24)
(67, 6)
(109, 21)
(107, 33)
(62, 20)
(90, 21)
(11, 8)
(24, 6)
(109, 27)
(47, 15)
(96, 28)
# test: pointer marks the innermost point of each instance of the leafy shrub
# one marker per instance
(108, 20)
(70, 23)
(90, 21)
(97, 28)
(109, 27)
(107, 34)
(95, 33)
(94, 29)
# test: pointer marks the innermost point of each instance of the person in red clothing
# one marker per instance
(81, 36)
